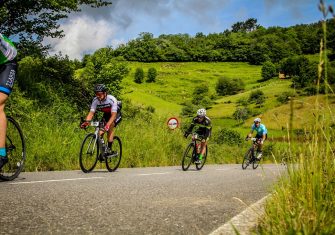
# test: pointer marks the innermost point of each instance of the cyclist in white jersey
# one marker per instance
(8, 71)
(111, 108)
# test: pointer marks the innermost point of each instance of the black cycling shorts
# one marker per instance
(204, 132)
(261, 136)
(118, 118)
(8, 73)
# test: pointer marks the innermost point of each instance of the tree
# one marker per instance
(246, 26)
(227, 86)
(152, 74)
(241, 114)
(32, 20)
(139, 75)
(257, 96)
(268, 70)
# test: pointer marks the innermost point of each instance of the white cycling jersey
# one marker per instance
(109, 105)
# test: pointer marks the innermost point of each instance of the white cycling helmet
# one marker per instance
(201, 113)
(257, 120)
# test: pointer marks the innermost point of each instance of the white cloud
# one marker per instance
(82, 35)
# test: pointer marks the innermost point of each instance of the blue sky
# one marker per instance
(124, 20)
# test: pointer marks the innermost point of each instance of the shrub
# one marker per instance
(241, 114)
(268, 70)
(228, 136)
(152, 74)
(139, 75)
(227, 86)
(257, 96)
(285, 97)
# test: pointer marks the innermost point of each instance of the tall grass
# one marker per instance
(304, 201)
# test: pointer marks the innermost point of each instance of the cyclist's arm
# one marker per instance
(189, 130)
(7, 50)
(90, 116)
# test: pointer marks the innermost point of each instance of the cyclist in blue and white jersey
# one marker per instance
(8, 71)
(111, 108)
(261, 134)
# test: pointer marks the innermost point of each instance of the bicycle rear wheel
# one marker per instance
(188, 156)
(16, 151)
(201, 165)
(247, 158)
(113, 160)
(89, 152)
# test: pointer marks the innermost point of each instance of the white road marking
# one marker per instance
(244, 221)
(60, 180)
(162, 173)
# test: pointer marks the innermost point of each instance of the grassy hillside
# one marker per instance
(175, 82)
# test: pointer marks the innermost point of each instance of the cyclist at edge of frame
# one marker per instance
(204, 125)
(8, 72)
(111, 108)
(261, 135)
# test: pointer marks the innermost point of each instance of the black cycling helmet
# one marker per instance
(100, 88)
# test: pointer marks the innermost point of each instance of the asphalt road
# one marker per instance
(162, 200)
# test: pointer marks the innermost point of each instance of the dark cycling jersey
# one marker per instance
(204, 127)
(8, 67)
(108, 106)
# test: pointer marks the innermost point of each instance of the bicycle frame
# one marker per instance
(98, 127)
(250, 157)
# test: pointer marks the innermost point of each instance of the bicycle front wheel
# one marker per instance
(199, 166)
(188, 156)
(16, 151)
(246, 159)
(255, 163)
(89, 152)
(113, 160)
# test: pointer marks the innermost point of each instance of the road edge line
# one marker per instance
(244, 221)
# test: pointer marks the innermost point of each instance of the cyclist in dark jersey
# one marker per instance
(111, 108)
(8, 71)
(204, 125)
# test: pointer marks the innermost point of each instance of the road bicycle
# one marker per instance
(16, 151)
(250, 155)
(94, 148)
(191, 153)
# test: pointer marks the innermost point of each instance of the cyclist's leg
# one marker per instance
(3, 123)
(7, 77)
(259, 146)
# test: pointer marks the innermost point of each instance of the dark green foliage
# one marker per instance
(139, 75)
(257, 96)
(246, 26)
(201, 96)
(227, 86)
(152, 74)
(229, 137)
(189, 110)
(50, 79)
(268, 70)
(285, 97)
(302, 71)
